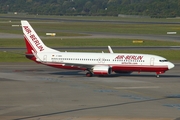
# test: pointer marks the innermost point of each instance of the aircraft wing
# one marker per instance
(78, 65)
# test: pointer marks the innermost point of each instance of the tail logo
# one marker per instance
(33, 38)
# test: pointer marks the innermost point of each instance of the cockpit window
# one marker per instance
(163, 60)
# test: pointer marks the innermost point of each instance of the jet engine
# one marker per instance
(102, 70)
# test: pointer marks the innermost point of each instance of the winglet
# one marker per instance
(110, 49)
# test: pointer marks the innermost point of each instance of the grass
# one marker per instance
(57, 42)
(159, 29)
(73, 27)
(172, 55)
(106, 42)
(18, 56)
(63, 28)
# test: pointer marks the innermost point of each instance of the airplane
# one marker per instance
(94, 63)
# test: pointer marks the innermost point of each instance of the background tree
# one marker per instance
(153, 8)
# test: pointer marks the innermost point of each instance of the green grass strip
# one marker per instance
(73, 27)
(57, 42)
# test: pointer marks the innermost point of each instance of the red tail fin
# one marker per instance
(28, 46)
(33, 41)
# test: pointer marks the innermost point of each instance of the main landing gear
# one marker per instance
(89, 74)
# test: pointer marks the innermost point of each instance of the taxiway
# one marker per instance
(29, 91)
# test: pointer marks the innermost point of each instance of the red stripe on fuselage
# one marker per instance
(139, 68)
(143, 68)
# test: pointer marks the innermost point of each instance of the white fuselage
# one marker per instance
(94, 63)
(120, 61)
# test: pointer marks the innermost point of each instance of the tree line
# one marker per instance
(152, 8)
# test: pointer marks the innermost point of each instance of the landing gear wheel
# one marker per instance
(158, 73)
(157, 76)
(89, 74)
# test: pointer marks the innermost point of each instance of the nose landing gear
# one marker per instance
(158, 73)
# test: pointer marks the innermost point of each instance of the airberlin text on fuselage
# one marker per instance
(129, 57)
(33, 38)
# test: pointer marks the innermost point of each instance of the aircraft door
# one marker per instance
(45, 58)
(152, 61)
(101, 60)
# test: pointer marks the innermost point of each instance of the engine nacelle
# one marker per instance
(102, 70)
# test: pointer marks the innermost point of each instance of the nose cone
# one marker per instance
(170, 65)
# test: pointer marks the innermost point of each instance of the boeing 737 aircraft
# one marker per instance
(93, 63)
